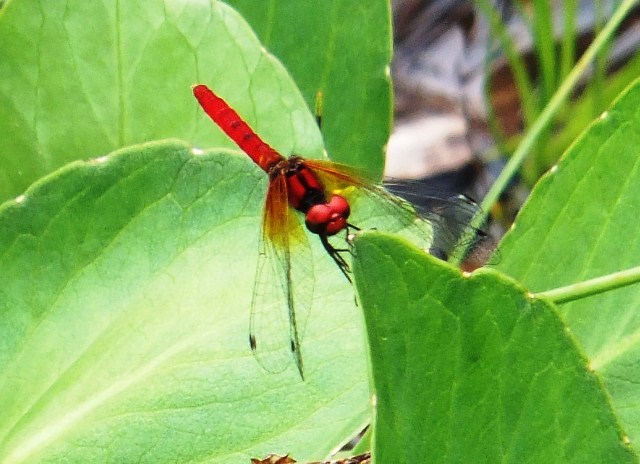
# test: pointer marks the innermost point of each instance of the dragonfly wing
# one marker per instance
(283, 291)
(436, 225)
(373, 207)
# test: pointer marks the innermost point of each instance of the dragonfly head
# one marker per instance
(328, 218)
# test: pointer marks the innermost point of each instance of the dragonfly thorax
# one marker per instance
(306, 193)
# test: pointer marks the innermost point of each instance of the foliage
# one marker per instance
(498, 373)
(535, 84)
(127, 278)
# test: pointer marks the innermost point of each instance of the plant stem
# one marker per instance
(524, 84)
(592, 286)
(539, 126)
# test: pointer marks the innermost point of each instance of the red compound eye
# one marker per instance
(340, 205)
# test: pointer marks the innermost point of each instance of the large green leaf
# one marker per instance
(127, 283)
(127, 279)
(471, 369)
(581, 222)
(80, 79)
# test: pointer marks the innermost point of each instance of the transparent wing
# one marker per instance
(372, 206)
(451, 217)
(283, 291)
(436, 225)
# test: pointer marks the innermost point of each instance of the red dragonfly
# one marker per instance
(324, 192)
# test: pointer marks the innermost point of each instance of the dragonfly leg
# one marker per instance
(348, 239)
(337, 257)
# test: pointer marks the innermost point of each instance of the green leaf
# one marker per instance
(80, 79)
(346, 54)
(581, 222)
(124, 316)
(127, 279)
(119, 74)
(471, 369)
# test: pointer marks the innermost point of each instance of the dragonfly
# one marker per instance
(324, 194)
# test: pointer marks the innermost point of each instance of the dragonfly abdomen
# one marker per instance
(239, 131)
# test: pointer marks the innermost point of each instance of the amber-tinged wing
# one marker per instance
(283, 291)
